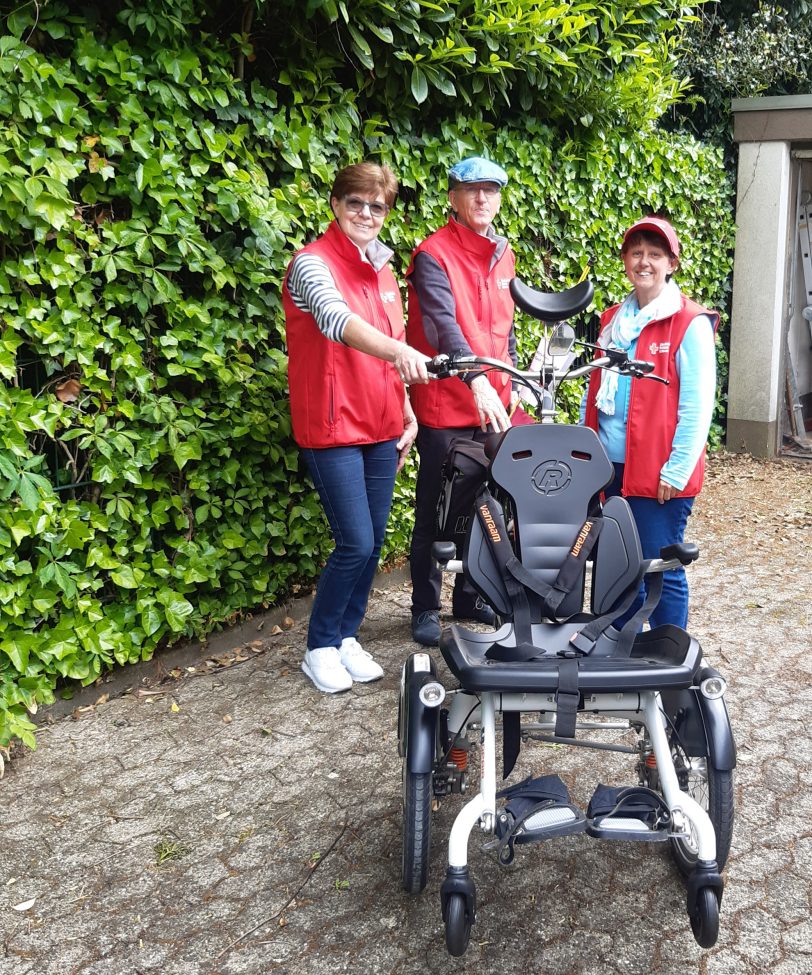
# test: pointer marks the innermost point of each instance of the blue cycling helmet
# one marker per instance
(475, 169)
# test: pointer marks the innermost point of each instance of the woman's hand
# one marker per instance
(490, 407)
(411, 365)
(408, 438)
(665, 492)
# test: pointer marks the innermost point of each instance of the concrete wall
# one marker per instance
(756, 382)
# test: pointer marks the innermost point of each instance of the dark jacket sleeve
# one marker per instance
(437, 306)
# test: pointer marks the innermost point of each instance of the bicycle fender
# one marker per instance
(418, 723)
(703, 725)
(721, 745)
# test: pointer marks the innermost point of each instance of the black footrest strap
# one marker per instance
(567, 698)
(529, 798)
(635, 802)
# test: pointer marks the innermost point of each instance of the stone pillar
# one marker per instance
(757, 375)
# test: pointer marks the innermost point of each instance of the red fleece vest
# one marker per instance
(338, 395)
(484, 311)
(652, 418)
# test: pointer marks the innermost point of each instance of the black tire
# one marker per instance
(457, 926)
(713, 790)
(705, 917)
(417, 793)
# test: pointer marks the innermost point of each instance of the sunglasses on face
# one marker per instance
(356, 205)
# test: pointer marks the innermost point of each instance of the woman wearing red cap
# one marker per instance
(655, 434)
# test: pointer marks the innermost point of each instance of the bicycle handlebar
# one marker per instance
(443, 366)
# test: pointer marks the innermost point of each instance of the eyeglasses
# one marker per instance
(356, 205)
(489, 189)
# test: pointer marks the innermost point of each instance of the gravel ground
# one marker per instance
(211, 813)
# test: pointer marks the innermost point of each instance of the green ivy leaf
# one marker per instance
(186, 451)
(127, 577)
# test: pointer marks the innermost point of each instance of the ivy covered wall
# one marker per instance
(149, 203)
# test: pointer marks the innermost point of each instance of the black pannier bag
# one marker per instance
(463, 474)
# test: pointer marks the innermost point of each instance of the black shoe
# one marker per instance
(426, 627)
(479, 611)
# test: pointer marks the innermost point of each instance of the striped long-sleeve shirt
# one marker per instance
(313, 290)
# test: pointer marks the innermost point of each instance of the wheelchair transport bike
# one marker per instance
(557, 669)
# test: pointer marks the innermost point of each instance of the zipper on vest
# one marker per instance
(380, 322)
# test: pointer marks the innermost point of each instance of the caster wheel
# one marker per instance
(705, 918)
(457, 926)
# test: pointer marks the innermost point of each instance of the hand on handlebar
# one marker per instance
(411, 365)
(490, 407)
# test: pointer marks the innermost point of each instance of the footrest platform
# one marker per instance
(637, 814)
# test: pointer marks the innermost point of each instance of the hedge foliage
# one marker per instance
(585, 62)
(149, 203)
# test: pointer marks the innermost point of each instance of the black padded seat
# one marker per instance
(664, 658)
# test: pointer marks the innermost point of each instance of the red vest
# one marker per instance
(338, 395)
(652, 419)
(484, 311)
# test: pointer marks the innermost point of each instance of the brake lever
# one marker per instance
(440, 366)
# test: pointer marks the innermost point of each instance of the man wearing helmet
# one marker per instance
(459, 302)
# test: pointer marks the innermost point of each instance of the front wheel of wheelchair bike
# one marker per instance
(705, 918)
(713, 790)
(457, 926)
(417, 796)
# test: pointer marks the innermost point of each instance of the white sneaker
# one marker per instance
(359, 662)
(324, 667)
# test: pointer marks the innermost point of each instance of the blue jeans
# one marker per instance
(659, 525)
(355, 485)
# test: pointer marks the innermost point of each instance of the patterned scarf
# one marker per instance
(624, 330)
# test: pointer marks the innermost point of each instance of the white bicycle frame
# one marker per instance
(644, 707)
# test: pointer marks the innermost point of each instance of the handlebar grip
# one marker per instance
(640, 365)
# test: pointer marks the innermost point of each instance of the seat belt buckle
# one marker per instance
(579, 645)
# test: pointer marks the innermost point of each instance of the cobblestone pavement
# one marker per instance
(226, 818)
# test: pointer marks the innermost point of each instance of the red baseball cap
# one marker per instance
(656, 225)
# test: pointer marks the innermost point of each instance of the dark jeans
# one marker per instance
(659, 525)
(355, 485)
(432, 447)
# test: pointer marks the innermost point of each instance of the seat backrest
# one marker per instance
(617, 558)
(552, 474)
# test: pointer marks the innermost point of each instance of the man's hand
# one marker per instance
(491, 410)
(411, 365)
